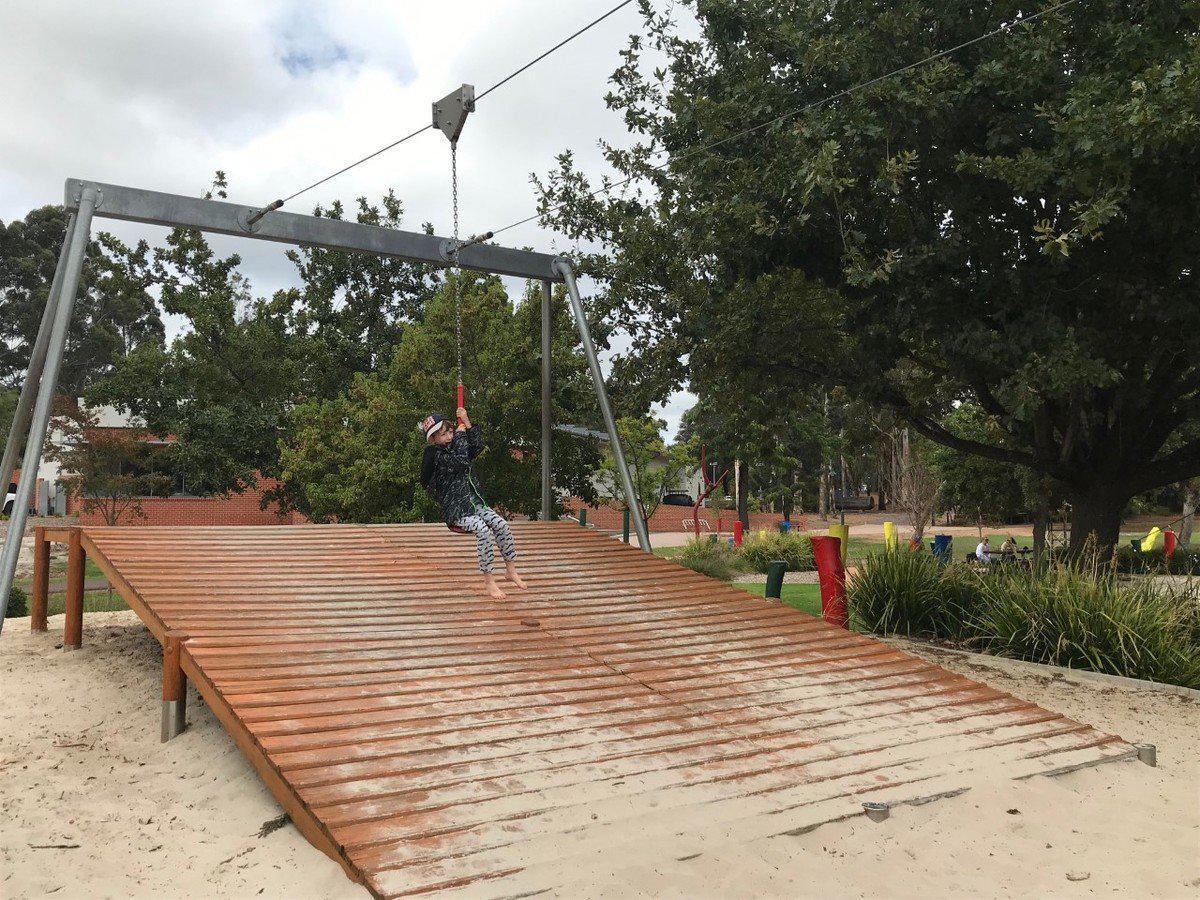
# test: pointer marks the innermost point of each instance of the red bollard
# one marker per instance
(1168, 544)
(737, 533)
(827, 551)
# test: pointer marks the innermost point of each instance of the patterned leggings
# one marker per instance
(484, 524)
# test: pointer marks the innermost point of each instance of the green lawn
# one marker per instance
(804, 597)
(93, 601)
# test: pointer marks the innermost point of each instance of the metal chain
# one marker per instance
(457, 287)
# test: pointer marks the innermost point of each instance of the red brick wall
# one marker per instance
(671, 518)
(237, 509)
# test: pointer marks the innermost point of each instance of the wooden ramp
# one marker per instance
(430, 739)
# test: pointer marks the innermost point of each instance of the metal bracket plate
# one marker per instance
(450, 113)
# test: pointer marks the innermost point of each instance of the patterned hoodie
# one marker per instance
(446, 474)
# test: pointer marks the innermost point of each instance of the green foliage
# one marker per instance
(222, 385)
(979, 490)
(912, 594)
(18, 603)
(716, 559)
(654, 467)
(114, 311)
(1082, 618)
(1073, 614)
(1013, 224)
(1184, 561)
(107, 470)
(356, 456)
(760, 550)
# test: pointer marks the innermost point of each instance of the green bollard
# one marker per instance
(775, 572)
(583, 516)
(625, 525)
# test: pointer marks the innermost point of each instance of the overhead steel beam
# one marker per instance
(217, 216)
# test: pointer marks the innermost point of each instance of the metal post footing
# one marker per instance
(877, 812)
(174, 714)
(1148, 754)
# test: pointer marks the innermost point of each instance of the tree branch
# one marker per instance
(1179, 465)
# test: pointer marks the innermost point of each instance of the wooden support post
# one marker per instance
(174, 689)
(73, 624)
(41, 580)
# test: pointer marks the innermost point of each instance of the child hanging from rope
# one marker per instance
(446, 475)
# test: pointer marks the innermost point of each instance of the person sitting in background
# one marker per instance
(1009, 548)
(983, 551)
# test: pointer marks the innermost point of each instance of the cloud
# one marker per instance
(278, 93)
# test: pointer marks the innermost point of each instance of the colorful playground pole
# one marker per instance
(889, 536)
(775, 572)
(842, 533)
(1169, 541)
(583, 516)
(827, 552)
(737, 533)
(625, 525)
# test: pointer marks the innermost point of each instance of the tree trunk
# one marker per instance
(1041, 519)
(1191, 499)
(1096, 512)
(823, 493)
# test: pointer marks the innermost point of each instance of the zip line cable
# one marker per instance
(503, 81)
(801, 110)
(557, 46)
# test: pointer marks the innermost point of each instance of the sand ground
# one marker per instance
(92, 805)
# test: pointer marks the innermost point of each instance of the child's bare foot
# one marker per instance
(493, 589)
(511, 572)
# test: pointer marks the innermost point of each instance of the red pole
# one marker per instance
(1168, 544)
(459, 397)
(737, 533)
(827, 551)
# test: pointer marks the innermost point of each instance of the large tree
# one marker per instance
(114, 311)
(356, 456)
(1016, 223)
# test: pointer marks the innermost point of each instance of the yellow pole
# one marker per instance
(842, 532)
(889, 535)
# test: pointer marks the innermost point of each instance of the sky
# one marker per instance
(159, 94)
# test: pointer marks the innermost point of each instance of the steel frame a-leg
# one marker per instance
(89, 198)
(60, 304)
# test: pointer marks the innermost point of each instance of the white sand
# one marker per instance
(80, 763)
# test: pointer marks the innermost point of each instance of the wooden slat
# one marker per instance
(427, 737)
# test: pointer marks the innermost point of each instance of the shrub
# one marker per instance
(915, 595)
(18, 603)
(759, 550)
(1083, 617)
(714, 559)
(1185, 561)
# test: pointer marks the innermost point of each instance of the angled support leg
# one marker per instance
(45, 394)
(37, 362)
(614, 439)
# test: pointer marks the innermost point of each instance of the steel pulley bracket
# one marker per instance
(450, 113)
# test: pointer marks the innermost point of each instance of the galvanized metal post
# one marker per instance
(547, 399)
(37, 361)
(45, 394)
(631, 499)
